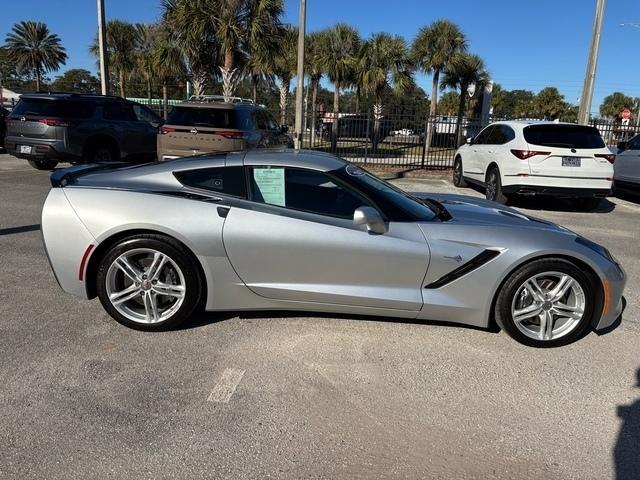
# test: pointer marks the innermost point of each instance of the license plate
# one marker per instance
(571, 161)
(26, 149)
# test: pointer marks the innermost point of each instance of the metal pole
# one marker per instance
(590, 76)
(300, 75)
(102, 45)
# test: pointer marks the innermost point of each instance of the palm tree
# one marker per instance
(32, 47)
(432, 49)
(167, 61)
(383, 62)
(463, 70)
(339, 57)
(123, 40)
(314, 44)
(285, 66)
(144, 56)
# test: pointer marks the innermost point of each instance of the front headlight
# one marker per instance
(596, 248)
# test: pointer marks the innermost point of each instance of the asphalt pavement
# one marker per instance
(252, 396)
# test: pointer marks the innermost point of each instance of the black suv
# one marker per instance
(45, 128)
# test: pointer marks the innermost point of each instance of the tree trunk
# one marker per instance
(432, 112)
(254, 88)
(463, 99)
(37, 78)
(122, 83)
(165, 100)
(377, 117)
(149, 91)
(314, 114)
(284, 92)
(336, 97)
(229, 75)
(199, 82)
(334, 125)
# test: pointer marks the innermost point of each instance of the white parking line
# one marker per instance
(224, 389)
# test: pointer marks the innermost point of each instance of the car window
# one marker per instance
(305, 190)
(483, 136)
(567, 136)
(264, 120)
(54, 108)
(120, 112)
(203, 117)
(227, 180)
(500, 134)
(144, 114)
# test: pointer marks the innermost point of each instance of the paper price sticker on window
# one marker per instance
(270, 183)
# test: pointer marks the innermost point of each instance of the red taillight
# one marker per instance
(58, 122)
(164, 130)
(230, 134)
(610, 157)
(524, 154)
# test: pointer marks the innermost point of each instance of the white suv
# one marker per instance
(537, 158)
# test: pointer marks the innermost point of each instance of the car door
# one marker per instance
(476, 164)
(627, 164)
(298, 242)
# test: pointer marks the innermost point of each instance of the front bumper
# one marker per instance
(613, 303)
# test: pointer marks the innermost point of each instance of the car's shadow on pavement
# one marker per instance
(535, 202)
(626, 452)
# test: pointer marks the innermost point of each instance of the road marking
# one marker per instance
(224, 389)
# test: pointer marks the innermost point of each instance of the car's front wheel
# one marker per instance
(148, 282)
(546, 303)
(43, 164)
(458, 177)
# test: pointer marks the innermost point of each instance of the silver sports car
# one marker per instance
(307, 231)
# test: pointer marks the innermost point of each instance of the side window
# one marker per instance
(144, 114)
(260, 120)
(497, 136)
(122, 112)
(305, 190)
(483, 136)
(508, 133)
(226, 180)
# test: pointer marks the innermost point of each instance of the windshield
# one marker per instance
(396, 204)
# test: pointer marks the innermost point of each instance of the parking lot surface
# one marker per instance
(264, 396)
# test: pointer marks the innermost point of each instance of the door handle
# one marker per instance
(223, 211)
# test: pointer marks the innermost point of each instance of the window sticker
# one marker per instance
(270, 183)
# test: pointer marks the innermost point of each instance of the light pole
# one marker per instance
(300, 75)
(590, 76)
(102, 46)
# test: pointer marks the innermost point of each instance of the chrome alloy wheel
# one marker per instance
(548, 306)
(145, 285)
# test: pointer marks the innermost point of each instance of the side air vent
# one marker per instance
(462, 270)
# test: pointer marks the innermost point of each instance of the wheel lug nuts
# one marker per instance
(154, 282)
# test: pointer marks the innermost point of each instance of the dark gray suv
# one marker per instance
(48, 128)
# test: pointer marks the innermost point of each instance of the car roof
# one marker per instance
(71, 96)
(521, 124)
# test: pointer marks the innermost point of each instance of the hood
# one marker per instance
(478, 211)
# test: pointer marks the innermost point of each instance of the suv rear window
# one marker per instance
(203, 117)
(567, 136)
(54, 108)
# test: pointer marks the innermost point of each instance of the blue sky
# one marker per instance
(526, 44)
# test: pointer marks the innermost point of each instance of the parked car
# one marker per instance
(404, 132)
(48, 128)
(300, 230)
(626, 176)
(537, 158)
(208, 123)
(3, 125)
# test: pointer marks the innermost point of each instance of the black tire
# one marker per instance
(586, 204)
(458, 177)
(102, 152)
(178, 254)
(504, 300)
(493, 187)
(43, 164)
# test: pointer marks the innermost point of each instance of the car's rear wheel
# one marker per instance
(43, 164)
(148, 282)
(102, 153)
(458, 177)
(546, 303)
(493, 187)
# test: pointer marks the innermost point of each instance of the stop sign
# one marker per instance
(626, 114)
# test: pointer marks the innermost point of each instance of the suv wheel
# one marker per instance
(102, 153)
(43, 164)
(493, 187)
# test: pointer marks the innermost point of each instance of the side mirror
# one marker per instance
(622, 146)
(371, 218)
(470, 141)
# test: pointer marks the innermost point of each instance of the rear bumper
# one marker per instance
(41, 149)
(568, 192)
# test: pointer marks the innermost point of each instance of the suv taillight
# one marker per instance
(524, 154)
(58, 122)
(610, 157)
(230, 134)
(164, 130)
